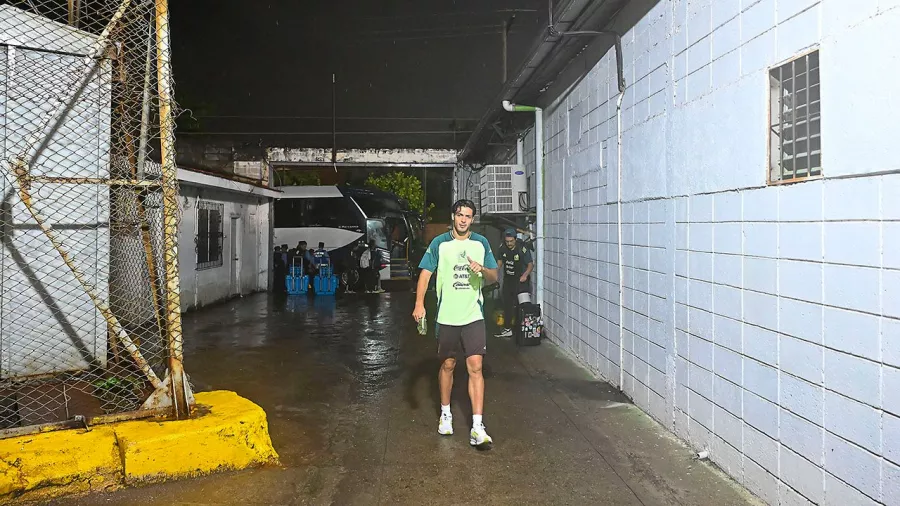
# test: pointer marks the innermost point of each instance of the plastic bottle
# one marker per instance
(422, 326)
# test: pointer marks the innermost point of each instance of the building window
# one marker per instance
(795, 129)
(209, 234)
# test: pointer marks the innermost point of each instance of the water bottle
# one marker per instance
(422, 326)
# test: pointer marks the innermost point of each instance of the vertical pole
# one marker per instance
(505, 36)
(71, 13)
(539, 189)
(181, 409)
(333, 122)
(145, 110)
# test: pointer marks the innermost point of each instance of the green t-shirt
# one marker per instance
(458, 289)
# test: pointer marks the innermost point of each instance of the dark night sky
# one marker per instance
(397, 58)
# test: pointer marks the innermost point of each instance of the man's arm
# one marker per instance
(427, 266)
(491, 270)
(491, 276)
(422, 286)
(528, 269)
(529, 263)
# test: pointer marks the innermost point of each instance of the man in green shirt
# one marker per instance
(464, 263)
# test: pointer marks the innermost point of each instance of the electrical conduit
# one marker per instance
(539, 189)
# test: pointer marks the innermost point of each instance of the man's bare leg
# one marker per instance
(477, 436)
(476, 383)
(445, 380)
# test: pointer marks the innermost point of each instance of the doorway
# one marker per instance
(236, 245)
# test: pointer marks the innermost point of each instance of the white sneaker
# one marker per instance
(445, 427)
(479, 437)
(505, 333)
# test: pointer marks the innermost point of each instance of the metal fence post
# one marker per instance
(181, 408)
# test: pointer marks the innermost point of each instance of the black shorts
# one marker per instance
(470, 339)
(512, 285)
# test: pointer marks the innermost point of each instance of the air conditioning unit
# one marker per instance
(504, 189)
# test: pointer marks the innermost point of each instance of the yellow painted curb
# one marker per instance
(232, 433)
(227, 432)
(56, 463)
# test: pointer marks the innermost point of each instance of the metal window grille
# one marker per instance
(210, 232)
(795, 132)
(90, 320)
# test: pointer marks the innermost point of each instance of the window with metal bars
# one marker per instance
(209, 234)
(795, 129)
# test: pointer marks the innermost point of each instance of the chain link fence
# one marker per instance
(90, 327)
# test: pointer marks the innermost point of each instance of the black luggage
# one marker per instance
(530, 325)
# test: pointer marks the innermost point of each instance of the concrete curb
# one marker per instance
(227, 433)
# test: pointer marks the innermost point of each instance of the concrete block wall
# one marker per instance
(758, 322)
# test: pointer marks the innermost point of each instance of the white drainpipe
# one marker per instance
(539, 189)
(621, 256)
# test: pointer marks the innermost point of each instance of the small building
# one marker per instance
(224, 237)
(47, 325)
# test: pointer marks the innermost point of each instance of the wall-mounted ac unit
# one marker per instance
(504, 189)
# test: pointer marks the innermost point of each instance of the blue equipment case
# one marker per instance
(297, 283)
(326, 282)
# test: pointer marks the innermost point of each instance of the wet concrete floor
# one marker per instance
(351, 394)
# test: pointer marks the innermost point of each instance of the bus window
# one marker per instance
(336, 212)
(290, 213)
(375, 230)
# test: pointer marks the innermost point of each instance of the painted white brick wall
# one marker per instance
(761, 323)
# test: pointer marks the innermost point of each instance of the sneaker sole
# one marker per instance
(444, 433)
(485, 445)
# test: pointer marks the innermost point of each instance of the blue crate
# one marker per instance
(297, 285)
(325, 284)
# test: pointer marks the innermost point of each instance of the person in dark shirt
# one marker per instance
(280, 270)
(320, 256)
(516, 262)
(370, 262)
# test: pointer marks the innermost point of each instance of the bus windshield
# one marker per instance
(376, 207)
(376, 231)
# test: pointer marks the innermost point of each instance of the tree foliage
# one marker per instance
(405, 186)
(299, 178)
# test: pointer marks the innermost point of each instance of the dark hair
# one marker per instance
(321, 244)
(463, 203)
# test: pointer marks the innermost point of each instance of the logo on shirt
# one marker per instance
(516, 258)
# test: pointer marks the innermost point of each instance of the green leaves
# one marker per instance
(404, 186)
(300, 178)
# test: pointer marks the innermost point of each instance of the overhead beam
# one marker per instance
(373, 165)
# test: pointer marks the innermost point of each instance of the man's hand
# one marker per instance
(475, 266)
(419, 312)
(523, 278)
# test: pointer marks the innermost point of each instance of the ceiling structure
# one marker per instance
(407, 73)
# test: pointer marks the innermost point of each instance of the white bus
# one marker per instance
(326, 214)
